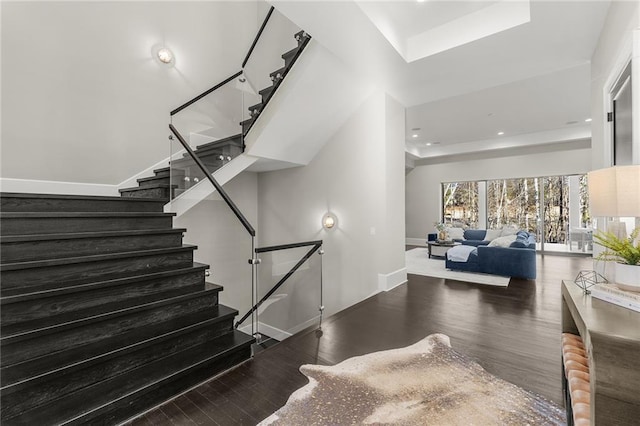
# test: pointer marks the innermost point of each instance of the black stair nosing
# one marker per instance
(224, 313)
(31, 264)
(115, 198)
(156, 375)
(74, 215)
(112, 346)
(7, 338)
(229, 140)
(94, 234)
(147, 187)
(112, 282)
(213, 286)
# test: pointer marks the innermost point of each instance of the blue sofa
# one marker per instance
(517, 260)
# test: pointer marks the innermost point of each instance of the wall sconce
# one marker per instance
(329, 221)
(165, 55)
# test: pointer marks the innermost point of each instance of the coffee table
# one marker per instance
(439, 248)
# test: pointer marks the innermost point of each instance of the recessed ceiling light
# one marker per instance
(420, 1)
(588, 120)
(428, 143)
(500, 133)
(414, 136)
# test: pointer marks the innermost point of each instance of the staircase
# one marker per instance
(104, 313)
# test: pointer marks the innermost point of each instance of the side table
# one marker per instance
(439, 248)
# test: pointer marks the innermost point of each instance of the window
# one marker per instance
(554, 208)
(460, 204)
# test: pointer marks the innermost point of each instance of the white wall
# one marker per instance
(424, 203)
(352, 176)
(222, 241)
(614, 50)
(84, 101)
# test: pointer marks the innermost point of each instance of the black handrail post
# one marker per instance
(215, 183)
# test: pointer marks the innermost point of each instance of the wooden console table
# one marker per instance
(611, 335)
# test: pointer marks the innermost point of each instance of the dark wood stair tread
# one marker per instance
(231, 140)
(80, 235)
(147, 187)
(77, 316)
(114, 198)
(93, 353)
(154, 375)
(51, 215)
(17, 332)
(92, 258)
(16, 295)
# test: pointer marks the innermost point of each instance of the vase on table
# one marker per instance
(628, 276)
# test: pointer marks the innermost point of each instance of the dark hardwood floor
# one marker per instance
(513, 332)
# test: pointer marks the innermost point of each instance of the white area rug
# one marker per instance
(418, 263)
(427, 383)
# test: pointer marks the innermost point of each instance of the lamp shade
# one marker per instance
(615, 191)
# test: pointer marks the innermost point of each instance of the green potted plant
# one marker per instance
(626, 253)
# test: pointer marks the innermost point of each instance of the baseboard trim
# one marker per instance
(392, 280)
(278, 334)
(422, 242)
(32, 186)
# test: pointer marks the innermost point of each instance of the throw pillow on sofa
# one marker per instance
(492, 234)
(508, 230)
(455, 233)
(503, 241)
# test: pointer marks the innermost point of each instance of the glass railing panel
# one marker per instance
(266, 66)
(295, 304)
(211, 126)
(225, 245)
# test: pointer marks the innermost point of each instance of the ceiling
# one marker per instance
(529, 80)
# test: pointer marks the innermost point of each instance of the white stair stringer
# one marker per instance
(203, 189)
(315, 99)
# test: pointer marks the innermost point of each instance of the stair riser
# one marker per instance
(289, 58)
(72, 247)
(22, 398)
(63, 275)
(155, 181)
(65, 304)
(55, 225)
(16, 204)
(231, 150)
(162, 193)
(126, 408)
(18, 350)
(266, 94)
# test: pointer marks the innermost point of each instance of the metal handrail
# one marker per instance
(255, 40)
(205, 93)
(215, 183)
(316, 246)
(287, 246)
(238, 74)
